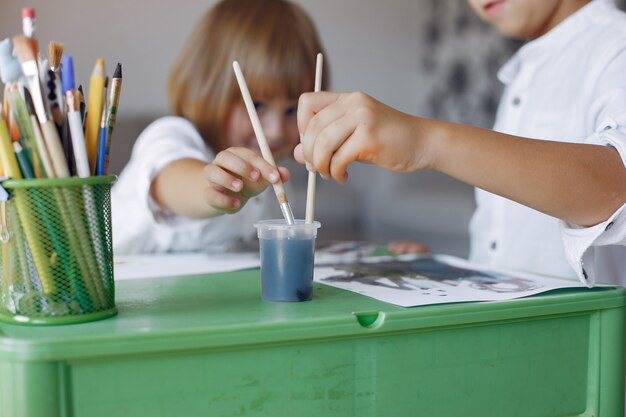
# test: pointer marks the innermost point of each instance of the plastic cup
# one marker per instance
(287, 257)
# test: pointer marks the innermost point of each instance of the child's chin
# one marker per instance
(283, 152)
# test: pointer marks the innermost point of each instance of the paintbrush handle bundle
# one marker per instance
(55, 220)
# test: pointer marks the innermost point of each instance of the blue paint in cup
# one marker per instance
(287, 258)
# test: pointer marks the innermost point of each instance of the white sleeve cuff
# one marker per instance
(611, 132)
(581, 242)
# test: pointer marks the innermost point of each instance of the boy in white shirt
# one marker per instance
(550, 178)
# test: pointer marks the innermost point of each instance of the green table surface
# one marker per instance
(226, 309)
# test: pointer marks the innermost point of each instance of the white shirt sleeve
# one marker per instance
(142, 226)
(582, 244)
(134, 213)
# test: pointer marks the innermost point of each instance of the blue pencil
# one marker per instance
(102, 144)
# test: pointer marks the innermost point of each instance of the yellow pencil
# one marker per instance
(94, 112)
(7, 155)
(24, 212)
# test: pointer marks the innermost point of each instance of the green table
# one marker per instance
(207, 345)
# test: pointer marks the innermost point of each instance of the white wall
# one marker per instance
(371, 46)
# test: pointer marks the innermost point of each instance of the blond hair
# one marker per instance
(276, 44)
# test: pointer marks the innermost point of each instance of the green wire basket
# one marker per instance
(57, 256)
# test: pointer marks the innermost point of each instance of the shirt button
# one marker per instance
(517, 101)
(608, 226)
(493, 245)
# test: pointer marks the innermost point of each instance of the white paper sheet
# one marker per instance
(170, 265)
(176, 264)
(422, 280)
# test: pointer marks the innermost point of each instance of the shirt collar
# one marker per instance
(555, 39)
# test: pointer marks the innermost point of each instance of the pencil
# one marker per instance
(74, 117)
(7, 155)
(29, 130)
(28, 22)
(114, 100)
(22, 160)
(94, 111)
(102, 140)
(279, 189)
(29, 226)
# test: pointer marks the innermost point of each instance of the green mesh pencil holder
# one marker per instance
(57, 255)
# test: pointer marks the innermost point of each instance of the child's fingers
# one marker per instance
(309, 104)
(315, 112)
(239, 162)
(344, 156)
(407, 246)
(256, 161)
(217, 175)
(298, 154)
(284, 174)
(218, 197)
(324, 121)
(337, 146)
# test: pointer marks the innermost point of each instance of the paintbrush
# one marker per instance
(78, 237)
(279, 189)
(82, 107)
(310, 191)
(15, 108)
(53, 83)
(27, 54)
(44, 155)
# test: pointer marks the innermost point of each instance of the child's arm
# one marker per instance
(195, 189)
(579, 183)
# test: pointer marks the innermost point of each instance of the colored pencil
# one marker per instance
(28, 22)
(94, 111)
(102, 141)
(114, 100)
(7, 155)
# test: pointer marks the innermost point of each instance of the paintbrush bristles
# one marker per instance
(55, 52)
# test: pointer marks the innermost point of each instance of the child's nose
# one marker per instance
(274, 128)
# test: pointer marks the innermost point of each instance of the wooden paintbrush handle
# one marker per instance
(53, 143)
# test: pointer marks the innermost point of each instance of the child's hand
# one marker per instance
(407, 246)
(237, 174)
(338, 129)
